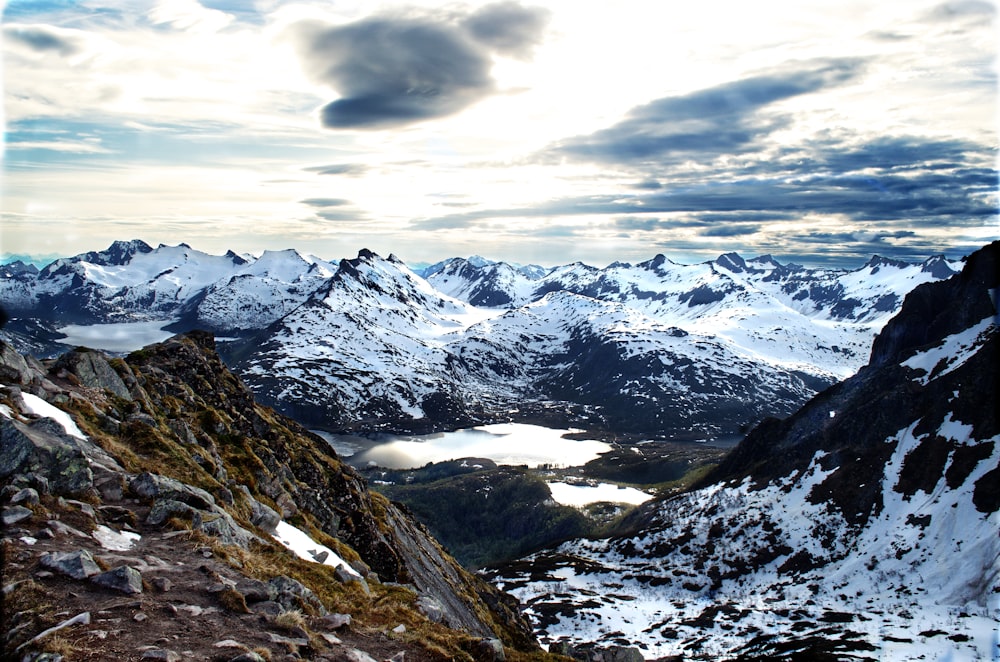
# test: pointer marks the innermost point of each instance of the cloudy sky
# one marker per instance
(552, 131)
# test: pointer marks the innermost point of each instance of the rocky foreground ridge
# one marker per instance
(141, 501)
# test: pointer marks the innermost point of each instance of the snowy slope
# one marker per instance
(262, 291)
(368, 347)
(658, 347)
(131, 282)
(864, 525)
(818, 321)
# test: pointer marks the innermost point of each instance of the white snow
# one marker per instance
(951, 352)
(303, 546)
(35, 405)
(118, 541)
(6, 412)
(582, 495)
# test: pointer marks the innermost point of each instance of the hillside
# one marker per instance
(864, 526)
(143, 503)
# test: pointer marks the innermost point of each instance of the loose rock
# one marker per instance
(78, 565)
(12, 516)
(125, 578)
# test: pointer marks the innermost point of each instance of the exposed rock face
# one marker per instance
(172, 440)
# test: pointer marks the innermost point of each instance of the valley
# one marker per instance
(819, 450)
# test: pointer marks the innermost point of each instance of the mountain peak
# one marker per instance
(119, 253)
(732, 261)
(878, 261)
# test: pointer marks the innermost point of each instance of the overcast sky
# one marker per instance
(820, 132)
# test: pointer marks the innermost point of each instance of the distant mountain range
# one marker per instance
(683, 351)
(864, 526)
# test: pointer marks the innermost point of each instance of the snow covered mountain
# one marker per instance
(686, 351)
(862, 527)
(131, 281)
(689, 351)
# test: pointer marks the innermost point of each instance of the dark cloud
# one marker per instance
(351, 169)
(41, 39)
(508, 27)
(341, 215)
(325, 202)
(908, 181)
(649, 185)
(726, 119)
(731, 230)
(394, 70)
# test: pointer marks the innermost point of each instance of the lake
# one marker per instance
(119, 338)
(504, 443)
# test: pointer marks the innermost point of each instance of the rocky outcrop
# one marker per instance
(166, 452)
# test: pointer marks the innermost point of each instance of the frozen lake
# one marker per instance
(124, 337)
(504, 443)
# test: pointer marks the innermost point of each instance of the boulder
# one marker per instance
(291, 594)
(27, 495)
(124, 578)
(78, 565)
(44, 448)
(152, 486)
(93, 370)
(14, 368)
(15, 514)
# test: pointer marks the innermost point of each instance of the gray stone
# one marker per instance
(152, 486)
(93, 370)
(249, 656)
(261, 515)
(28, 495)
(264, 516)
(431, 608)
(490, 650)
(85, 508)
(335, 621)
(60, 528)
(78, 565)
(267, 607)
(354, 655)
(125, 579)
(287, 641)
(164, 509)
(221, 524)
(43, 447)
(291, 594)
(161, 584)
(255, 590)
(13, 367)
(161, 654)
(15, 514)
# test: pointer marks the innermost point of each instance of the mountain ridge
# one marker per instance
(863, 526)
(473, 338)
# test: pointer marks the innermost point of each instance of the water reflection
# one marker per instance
(504, 443)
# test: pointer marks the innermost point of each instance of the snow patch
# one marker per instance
(35, 405)
(951, 353)
(302, 545)
(117, 541)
